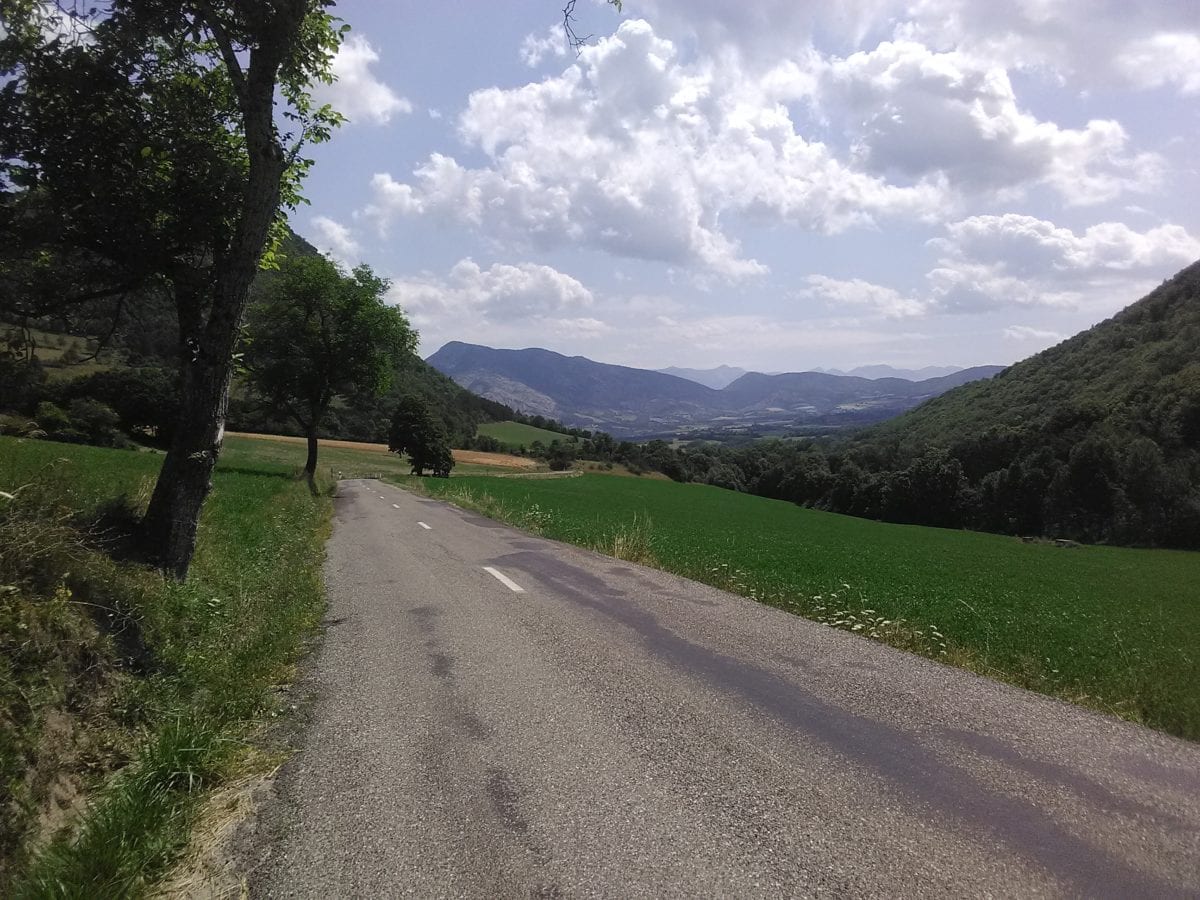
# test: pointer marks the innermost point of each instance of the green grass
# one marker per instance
(514, 434)
(151, 741)
(1111, 628)
(51, 346)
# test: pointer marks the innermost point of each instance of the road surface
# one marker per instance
(498, 715)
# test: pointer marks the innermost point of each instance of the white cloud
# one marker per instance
(992, 261)
(912, 113)
(497, 294)
(336, 239)
(543, 44)
(632, 152)
(1080, 42)
(1028, 333)
(1084, 42)
(357, 93)
(767, 29)
(1163, 59)
(855, 292)
(583, 327)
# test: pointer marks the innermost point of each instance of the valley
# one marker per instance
(639, 403)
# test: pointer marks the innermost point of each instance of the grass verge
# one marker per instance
(1111, 628)
(125, 698)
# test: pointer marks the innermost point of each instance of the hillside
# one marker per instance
(1136, 373)
(637, 402)
(512, 435)
(574, 389)
(135, 373)
(1096, 439)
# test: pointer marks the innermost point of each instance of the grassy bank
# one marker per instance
(124, 699)
(1111, 628)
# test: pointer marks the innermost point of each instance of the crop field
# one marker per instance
(1111, 628)
(514, 434)
(347, 459)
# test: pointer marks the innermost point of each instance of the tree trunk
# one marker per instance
(186, 475)
(310, 467)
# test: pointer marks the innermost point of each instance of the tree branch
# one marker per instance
(228, 53)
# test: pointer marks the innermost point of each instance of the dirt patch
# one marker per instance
(54, 781)
(207, 872)
(480, 458)
(475, 457)
(289, 439)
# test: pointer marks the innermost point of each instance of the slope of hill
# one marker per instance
(1138, 372)
(137, 369)
(637, 402)
(574, 389)
(1096, 439)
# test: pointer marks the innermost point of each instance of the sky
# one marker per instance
(774, 184)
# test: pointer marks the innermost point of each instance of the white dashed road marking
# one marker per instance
(423, 525)
(504, 580)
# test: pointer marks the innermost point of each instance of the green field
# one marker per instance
(514, 434)
(1111, 628)
(146, 742)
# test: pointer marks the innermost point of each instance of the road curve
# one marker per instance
(612, 731)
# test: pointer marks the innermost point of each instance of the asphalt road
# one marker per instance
(612, 731)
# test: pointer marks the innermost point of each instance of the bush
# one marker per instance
(86, 422)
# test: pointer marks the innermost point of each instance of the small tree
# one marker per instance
(317, 334)
(415, 432)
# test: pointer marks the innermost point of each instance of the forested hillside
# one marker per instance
(1096, 439)
(134, 392)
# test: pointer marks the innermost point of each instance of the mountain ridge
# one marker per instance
(628, 401)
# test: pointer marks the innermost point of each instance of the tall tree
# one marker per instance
(316, 335)
(415, 432)
(144, 140)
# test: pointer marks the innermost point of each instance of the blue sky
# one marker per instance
(775, 184)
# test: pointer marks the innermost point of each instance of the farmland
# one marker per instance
(1111, 628)
(515, 434)
(349, 459)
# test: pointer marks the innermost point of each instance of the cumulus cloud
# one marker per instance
(499, 293)
(358, 93)
(633, 152)
(1101, 40)
(336, 239)
(992, 261)
(913, 112)
(856, 292)
(1170, 58)
(1084, 42)
(540, 45)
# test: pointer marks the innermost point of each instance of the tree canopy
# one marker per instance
(141, 145)
(316, 335)
(416, 433)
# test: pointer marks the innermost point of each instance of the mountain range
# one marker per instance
(631, 402)
(723, 376)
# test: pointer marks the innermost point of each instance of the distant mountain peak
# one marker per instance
(633, 402)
